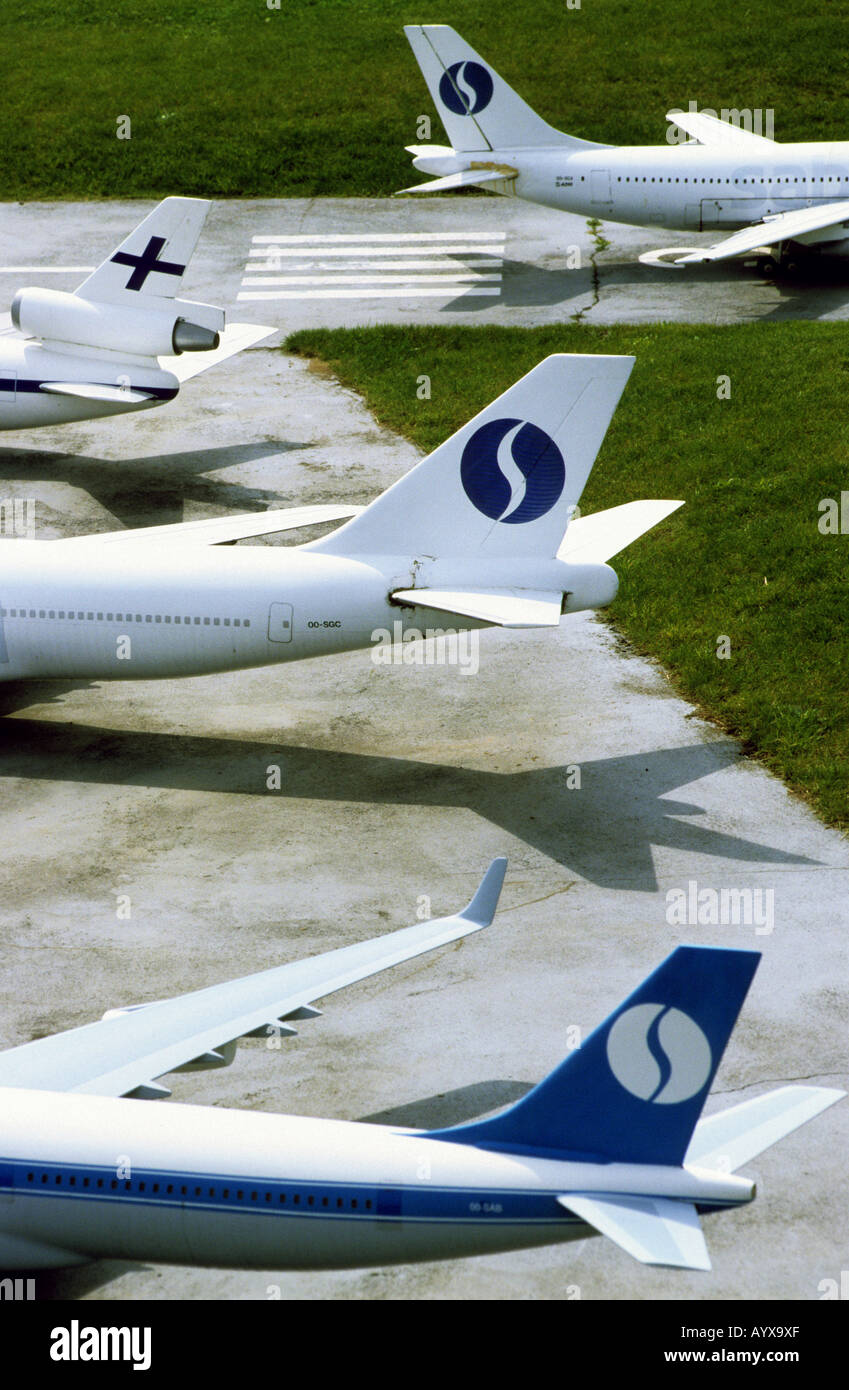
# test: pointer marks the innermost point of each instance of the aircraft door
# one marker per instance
(280, 622)
(8, 388)
(600, 190)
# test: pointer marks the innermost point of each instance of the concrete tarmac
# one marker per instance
(399, 784)
(553, 267)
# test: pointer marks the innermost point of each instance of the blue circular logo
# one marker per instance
(512, 471)
(466, 88)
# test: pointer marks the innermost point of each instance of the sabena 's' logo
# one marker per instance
(659, 1054)
(512, 471)
(466, 88)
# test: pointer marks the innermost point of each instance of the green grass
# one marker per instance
(229, 98)
(744, 557)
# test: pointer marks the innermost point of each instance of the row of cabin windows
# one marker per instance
(779, 178)
(240, 1194)
(122, 617)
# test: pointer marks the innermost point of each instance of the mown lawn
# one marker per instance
(745, 558)
(231, 98)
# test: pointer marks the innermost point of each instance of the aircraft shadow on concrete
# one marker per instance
(149, 491)
(52, 1285)
(603, 832)
(527, 285)
(452, 1107)
(810, 290)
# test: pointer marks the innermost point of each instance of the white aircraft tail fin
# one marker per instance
(150, 263)
(506, 484)
(476, 106)
(731, 1138)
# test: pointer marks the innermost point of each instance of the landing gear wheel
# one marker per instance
(767, 266)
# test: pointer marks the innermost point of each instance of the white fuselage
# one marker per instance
(688, 187)
(113, 612)
(27, 370)
(88, 1177)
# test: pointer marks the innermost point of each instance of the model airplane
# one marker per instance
(610, 1142)
(785, 197)
(83, 1173)
(476, 534)
(122, 341)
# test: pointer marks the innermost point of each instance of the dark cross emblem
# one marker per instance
(146, 262)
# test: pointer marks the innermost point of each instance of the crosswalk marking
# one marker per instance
(379, 265)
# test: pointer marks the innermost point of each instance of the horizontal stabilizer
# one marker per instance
(732, 1137)
(232, 339)
(504, 607)
(797, 225)
(655, 1230)
(709, 130)
(220, 530)
(96, 391)
(597, 538)
(466, 178)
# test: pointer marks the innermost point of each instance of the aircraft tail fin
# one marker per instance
(506, 484)
(476, 106)
(150, 263)
(634, 1090)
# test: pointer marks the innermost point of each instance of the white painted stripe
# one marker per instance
(363, 263)
(460, 277)
(366, 250)
(386, 236)
(47, 269)
(400, 293)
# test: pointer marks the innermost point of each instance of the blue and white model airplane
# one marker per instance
(475, 535)
(610, 1142)
(122, 341)
(784, 197)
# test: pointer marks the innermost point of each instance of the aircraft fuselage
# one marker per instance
(28, 371)
(684, 187)
(113, 612)
(90, 1177)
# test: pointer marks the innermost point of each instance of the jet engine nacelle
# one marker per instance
(139, 332)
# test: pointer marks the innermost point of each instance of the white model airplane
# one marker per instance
(476, 534)
(609, 1142)
(82, 1172)
(120, 342)
(785, 197)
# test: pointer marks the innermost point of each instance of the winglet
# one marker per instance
(482, 907)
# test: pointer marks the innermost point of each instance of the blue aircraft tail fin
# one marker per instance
(633, 1092)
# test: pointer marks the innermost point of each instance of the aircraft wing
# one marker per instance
(784, 226)
(219, 530)
(709, 130)
(233, 339)
(127, 1049)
